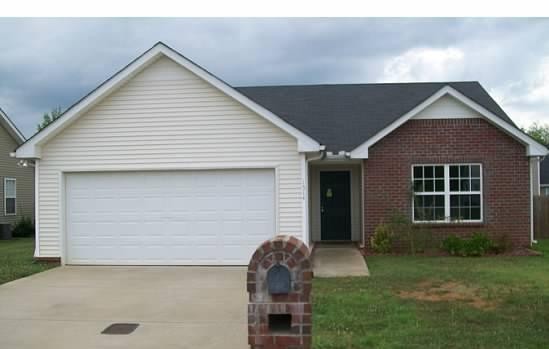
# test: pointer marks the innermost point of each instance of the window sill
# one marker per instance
(450, 224)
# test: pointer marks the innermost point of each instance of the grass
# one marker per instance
(16, 259)
(513, 293)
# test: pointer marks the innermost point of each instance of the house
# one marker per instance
(166, 164)
(16, 182)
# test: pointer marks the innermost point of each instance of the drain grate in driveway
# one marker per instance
(120, 328)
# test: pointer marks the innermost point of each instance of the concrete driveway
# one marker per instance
(176, 307)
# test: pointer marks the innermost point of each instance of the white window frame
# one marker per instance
(6, 179)
(447, 193)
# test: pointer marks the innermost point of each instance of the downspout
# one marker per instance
(539, 159)
(307, 202)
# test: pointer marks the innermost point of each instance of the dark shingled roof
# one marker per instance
(544, 171)
(342, 117)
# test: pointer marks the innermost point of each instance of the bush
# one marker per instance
(477, 245)
(417, 237)
(453, 245)
(382, 240)
(24, 227)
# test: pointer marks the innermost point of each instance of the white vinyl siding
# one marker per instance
(447, 107)
(166, 118)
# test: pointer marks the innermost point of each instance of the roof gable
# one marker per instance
(447, 107)
(533, 148)
(31, 148)
(10, 127)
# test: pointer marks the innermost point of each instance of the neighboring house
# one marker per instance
(16, 182)
(164, 163)
(544, 177)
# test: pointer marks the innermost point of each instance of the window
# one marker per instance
(10, 196)
(544, 190)
(446, 193)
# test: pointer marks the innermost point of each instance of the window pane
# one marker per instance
(464, 171)
(439, 214)
(428, 171)
(429, 185)
(10, 206)
(465, 207)
(439, 171)
(418, 172)
(9, 190)
(454, 184)
(418, 185)
(439, 185)
(475, 200)
(439, 201)
(454, 171)
(464, 185)
(428, 201)
(475, 170)
(464, 213)
(475, 184)
(429, 207)
(475, 213)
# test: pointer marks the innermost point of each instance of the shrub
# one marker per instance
(417, 237)
(453, 245)
(382, 240)
(477, 245)
(24, 227)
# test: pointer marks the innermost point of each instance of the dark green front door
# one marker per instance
(335, 205)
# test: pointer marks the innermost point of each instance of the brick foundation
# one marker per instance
(506, 178)
(294, 255)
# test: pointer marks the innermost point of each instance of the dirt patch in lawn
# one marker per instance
(448, 292)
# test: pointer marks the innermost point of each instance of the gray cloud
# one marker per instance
(49, 62)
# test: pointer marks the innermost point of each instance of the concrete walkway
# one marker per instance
(176, 307)
(338, 260)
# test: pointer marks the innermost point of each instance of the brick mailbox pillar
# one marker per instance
(279, 283)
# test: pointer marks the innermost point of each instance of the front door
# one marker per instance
(335, 205)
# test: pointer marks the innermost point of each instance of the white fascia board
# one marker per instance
(533, 148)
(11, 128)
(31, 149)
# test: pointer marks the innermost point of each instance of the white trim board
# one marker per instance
(31, 149)
(533, 148)
(11, 128)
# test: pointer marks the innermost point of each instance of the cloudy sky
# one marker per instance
(53, 62)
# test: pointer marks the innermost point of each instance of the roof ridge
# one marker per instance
(365, 84)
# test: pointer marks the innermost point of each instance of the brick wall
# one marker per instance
(505, 166)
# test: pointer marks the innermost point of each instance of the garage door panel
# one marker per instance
(172, 217)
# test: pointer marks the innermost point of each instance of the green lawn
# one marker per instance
(437, 302)
(16, 260)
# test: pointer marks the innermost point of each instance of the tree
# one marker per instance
(540, 132)
(50, 117)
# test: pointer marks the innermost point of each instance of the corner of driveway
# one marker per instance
(176, 307)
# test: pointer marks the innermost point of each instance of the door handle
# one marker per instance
(321, 209)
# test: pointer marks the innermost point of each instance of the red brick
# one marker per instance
(307, 276)
(506, 192)
(284, 341)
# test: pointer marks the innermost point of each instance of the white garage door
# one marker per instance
(168, 218)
